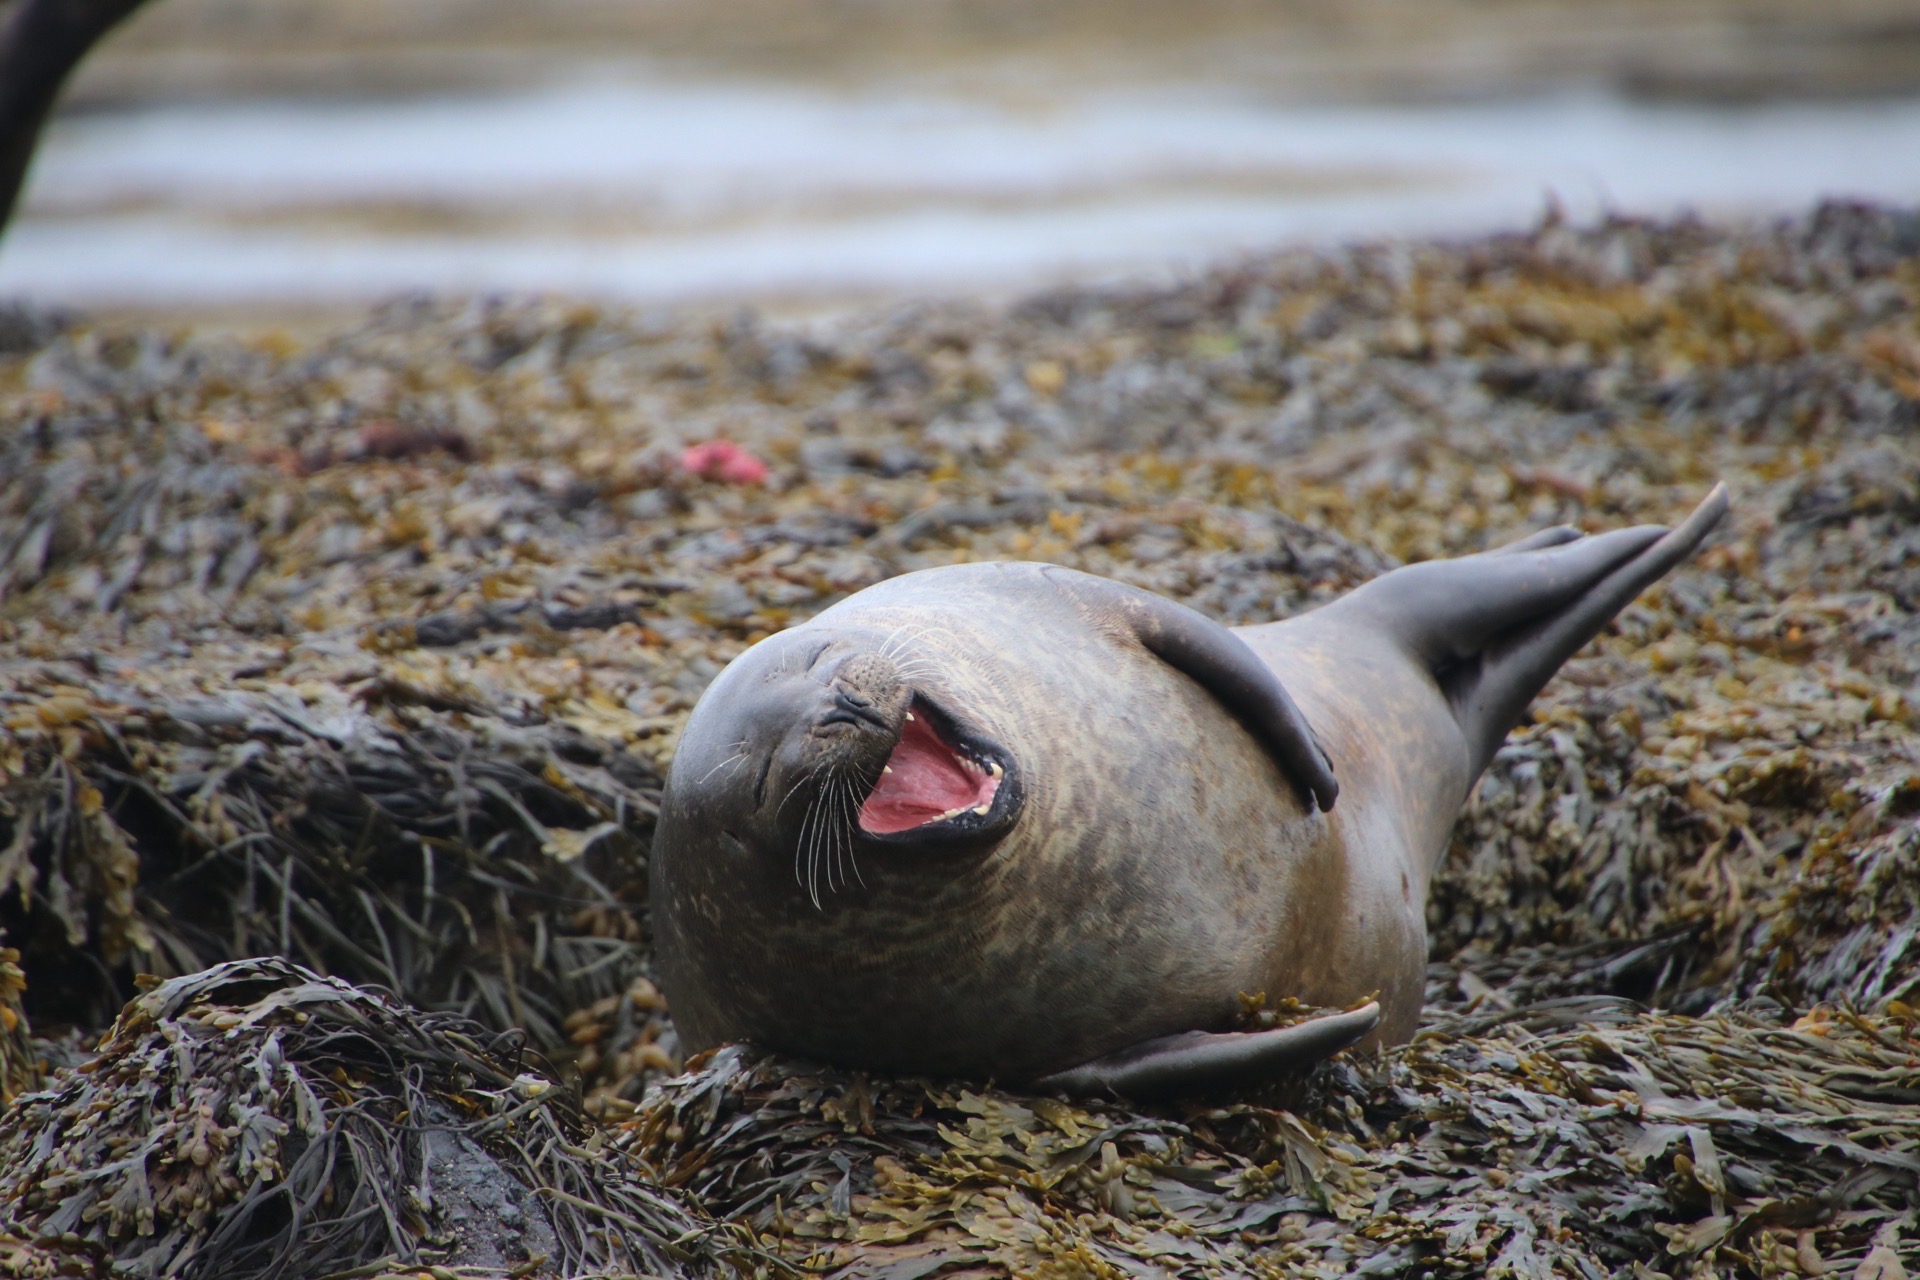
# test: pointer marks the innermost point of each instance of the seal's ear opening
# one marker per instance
(1194, 1062)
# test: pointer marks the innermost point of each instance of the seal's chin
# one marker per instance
(929, 779)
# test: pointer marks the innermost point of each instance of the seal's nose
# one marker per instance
(850, 706)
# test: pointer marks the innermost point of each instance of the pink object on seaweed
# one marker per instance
(723, 460)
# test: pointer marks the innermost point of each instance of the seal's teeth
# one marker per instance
(951, 813)
(886, 768)
(995, 769)
(981, 809)
(909, 715)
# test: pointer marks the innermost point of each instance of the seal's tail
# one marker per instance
(1493, 628)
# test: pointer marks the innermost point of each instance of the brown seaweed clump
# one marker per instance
(1574, 1137)
(352, 830)
(19, 1066)
(259, 1120)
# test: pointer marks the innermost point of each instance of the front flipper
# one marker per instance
(1200, 1061)
(1222, 664)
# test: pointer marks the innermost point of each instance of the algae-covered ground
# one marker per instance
(368, 649)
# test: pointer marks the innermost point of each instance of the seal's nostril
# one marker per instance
(852, 705)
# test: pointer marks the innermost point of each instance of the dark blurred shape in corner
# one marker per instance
(40, 42)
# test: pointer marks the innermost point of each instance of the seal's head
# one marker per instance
(816, 752)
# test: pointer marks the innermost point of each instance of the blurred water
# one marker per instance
(678, 189)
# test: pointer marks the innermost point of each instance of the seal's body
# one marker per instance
(1010, 820)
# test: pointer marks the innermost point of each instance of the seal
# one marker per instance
(1013, 821)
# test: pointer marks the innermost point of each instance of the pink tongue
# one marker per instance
(927, 780)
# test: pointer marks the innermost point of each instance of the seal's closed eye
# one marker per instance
(1222, 664)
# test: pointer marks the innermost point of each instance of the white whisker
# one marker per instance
(798, 877)
(823, 838)
(843, 828)
(830, 818)
(911, 633)
(802, 864)
(817, 813)
(853, 817)
(733, 759)
(796, 786)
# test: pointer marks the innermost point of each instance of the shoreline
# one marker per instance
(1706, 50)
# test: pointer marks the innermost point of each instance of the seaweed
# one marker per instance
(1568, 1136)
(259, 1119)
(369, 648)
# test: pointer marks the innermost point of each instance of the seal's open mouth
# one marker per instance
(927, 779)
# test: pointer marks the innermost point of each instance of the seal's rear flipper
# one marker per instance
(1199, 1061)
(1493, 628)
(1554, 537)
